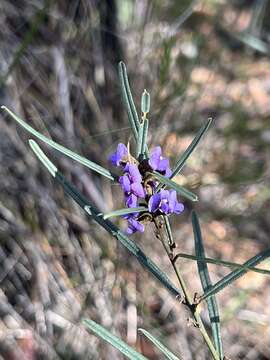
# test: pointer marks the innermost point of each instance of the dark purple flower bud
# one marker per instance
(134, 225)
(120, 153)
(158, 162)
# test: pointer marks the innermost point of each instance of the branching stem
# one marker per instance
(188, 301)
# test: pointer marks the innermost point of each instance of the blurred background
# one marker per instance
(58, 67)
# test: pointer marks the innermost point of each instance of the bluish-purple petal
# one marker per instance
(134, 225)
(120, 153)
(137, 189)
(131, 201)
(163, 164)
(154, 202)
(134, 172)
(155, 157)
(125, 183)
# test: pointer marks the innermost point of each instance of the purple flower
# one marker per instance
(125, 183)
(131, 181)
(134, 225)
(134, 173)
(131, 200)
(119, 155)
(158, 162)
(166, 202)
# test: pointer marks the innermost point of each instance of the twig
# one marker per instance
(187, 301)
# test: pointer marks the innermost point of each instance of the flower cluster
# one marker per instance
(140, 190)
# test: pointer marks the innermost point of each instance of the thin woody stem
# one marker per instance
(188, 301)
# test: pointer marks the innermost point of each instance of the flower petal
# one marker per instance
(125, 183)
(155, 157)
(163, 164)
(154, 202)
(168, 172)
(134, 173)
(134, 225)
(164, 207)
(179, 207)
(121, 150)
(131, 201)
(137, 189)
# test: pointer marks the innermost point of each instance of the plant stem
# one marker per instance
(188, 300)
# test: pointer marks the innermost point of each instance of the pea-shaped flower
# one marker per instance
(159, 163)
(166, 202)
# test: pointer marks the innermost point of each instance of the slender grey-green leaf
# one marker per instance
(254, 42)
(236, 274)
(128, 100)
(145, 103)
(144, 137)
(180, 189)
(206, 285)
(112, 229)
(124, 211)
(223, 263)
(139, 140)
(115, 341)
(168, 354)
(183, 158)
(91, 165)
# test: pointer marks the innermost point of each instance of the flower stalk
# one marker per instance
(187, 299)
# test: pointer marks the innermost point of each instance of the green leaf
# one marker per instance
(145, 103)
(254, 42)
(168, 354)
(119, 344)
(223, 263)
(128, 99)
(124, 211)
(183, 158)
(180, 189)
(91, 165)
(112, 229)
(142, 138)
(206, 285)
(236, 274)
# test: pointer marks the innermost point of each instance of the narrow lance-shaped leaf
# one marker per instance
(206, 284)
(139, 140)
(168, 354)
(112, 229)
(183, 158)
(125, 211)
(222, 263)
(142, 139)
(91, 165)
(236, 274)
(127, 96)
(115, 341)
(180, 189)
